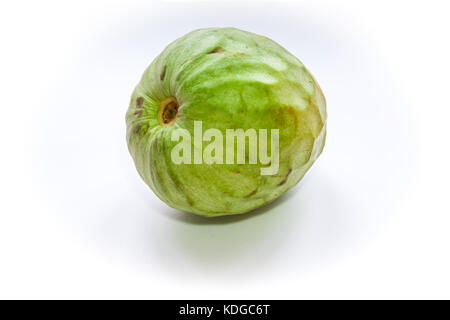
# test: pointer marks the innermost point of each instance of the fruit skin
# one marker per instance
(228, 79)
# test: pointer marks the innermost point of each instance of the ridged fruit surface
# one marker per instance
(227, 79)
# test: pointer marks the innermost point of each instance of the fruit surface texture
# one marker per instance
(224, 78)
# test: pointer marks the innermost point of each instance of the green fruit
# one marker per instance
(227, 79)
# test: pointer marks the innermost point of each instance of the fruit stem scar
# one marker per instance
(168, 111)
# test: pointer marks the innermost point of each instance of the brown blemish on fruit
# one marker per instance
(285, 178)
(217, 50)
(163, 73)
(238, 172)
(291, 112)
(139, 102)
(168, 111)
(251, 193)
(137, 128)
(138, 113)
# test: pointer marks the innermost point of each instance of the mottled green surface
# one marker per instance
(226, 78)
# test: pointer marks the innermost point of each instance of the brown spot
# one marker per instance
(291, 112)
(238, 172)
(137, 128)
(217, 50)
(163, 73)
(138, 113)
(285, 178)
(251, 193)
(139, 102)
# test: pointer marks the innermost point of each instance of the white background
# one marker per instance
(370, 220)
